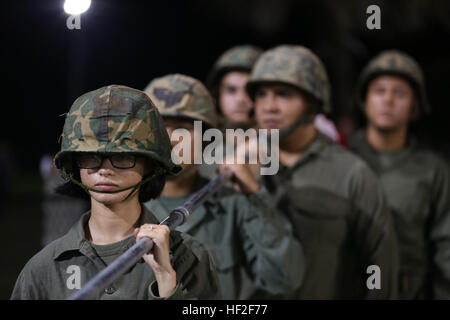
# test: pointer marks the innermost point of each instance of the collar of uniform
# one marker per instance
(319, 142)
(76, 240)
(380, 160)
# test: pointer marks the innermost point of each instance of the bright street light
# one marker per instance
(76, 7)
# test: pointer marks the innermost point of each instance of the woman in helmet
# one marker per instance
(116, 151)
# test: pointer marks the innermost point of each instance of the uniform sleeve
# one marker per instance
(375, 235)
(27, 286)
(275, 256)
(196, 272)
(440, 233)
(177, 293)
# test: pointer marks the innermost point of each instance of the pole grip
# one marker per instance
(96, 285)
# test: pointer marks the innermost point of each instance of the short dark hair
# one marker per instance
(148, 191)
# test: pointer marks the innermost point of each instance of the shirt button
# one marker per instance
(110, 290)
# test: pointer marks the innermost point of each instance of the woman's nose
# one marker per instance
(106, 166)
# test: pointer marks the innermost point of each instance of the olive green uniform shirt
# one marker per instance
(253, 247)
(417, 185)
(66, 264)
(338, 212)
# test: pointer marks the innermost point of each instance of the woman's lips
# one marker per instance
(105, 186)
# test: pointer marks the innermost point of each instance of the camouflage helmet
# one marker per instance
(292, 65)
(178, 95)
(393, 62)
(238, 58)
(115, 119)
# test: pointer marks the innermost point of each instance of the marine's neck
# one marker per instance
(113, 223)
(181, 185)
(293, 146)
(386, 140)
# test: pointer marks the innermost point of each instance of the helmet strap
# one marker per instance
(302, 120)
(88, 189)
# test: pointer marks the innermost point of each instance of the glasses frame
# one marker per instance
(102, 158)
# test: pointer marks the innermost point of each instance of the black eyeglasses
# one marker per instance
(95, 160)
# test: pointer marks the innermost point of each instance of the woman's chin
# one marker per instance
(109, 199)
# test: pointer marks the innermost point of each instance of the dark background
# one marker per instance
(45, 67)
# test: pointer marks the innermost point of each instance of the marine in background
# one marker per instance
(332, 199)
(416, 181)
(253, 248)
